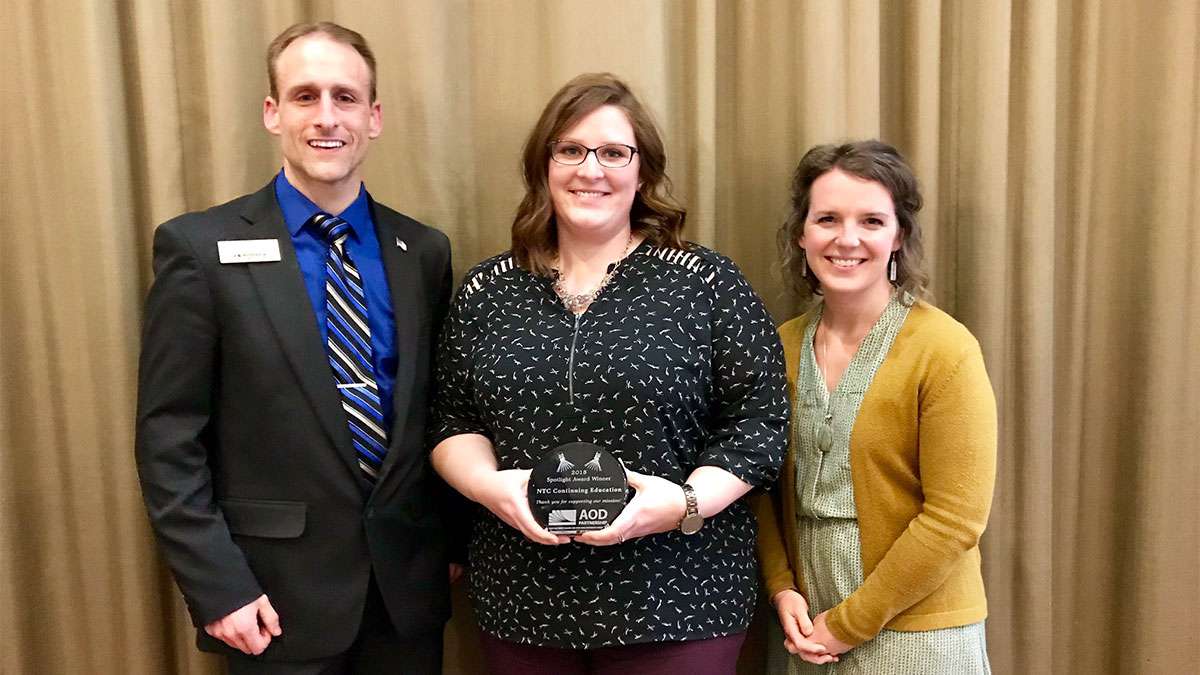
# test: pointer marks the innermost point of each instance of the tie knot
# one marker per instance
(332, 228)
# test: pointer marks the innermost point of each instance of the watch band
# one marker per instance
(692, 521)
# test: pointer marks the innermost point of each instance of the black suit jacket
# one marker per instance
(243, 451)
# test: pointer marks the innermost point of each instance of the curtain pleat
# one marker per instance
(1058, 148)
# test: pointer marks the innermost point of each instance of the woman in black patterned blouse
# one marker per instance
(602, 325)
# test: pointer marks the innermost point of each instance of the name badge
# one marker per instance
(248, 251)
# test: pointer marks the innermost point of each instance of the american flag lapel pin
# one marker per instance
(401, 245)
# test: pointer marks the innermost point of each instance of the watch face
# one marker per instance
(691, 523)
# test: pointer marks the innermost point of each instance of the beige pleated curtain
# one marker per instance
(1057, 143)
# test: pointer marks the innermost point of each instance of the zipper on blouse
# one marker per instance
(571, 363)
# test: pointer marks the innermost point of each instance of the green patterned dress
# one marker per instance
(827, 522)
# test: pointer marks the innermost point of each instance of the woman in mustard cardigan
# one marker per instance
(869, 545)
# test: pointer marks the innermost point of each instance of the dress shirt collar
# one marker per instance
(297, 208)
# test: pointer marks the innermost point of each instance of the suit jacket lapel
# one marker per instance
(407, 290)
(286, 303)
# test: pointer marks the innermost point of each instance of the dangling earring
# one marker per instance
(803, 263)
(892, 268)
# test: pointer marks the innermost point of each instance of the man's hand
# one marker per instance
(248, 629)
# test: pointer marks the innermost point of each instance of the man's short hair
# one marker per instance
(328, 28)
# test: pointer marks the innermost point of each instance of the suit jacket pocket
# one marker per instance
(267, 518)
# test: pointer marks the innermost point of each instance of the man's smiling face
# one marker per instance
(324, 118)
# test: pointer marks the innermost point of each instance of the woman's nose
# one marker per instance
(849, 234)
(590, 166)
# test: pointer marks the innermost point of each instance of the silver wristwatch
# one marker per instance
(692, 520)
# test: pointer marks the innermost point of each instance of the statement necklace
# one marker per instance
(576, 303)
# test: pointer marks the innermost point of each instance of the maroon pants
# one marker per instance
(717, 656)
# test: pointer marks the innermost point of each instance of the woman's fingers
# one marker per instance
(805, 623)
(509, 501)
(818, 659)
(806, 646)
(622, 529)
(791, 629)
(797, 627)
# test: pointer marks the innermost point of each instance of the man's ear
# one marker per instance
(375, 126)
(271, 115)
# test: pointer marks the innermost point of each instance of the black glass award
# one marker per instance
(577, 487)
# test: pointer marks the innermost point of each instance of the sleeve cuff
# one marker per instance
(837, 626)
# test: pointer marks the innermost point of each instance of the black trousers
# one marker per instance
(377, 650)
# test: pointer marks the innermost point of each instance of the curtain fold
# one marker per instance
(1058, 147)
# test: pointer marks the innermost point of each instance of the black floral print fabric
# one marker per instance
(675, 365)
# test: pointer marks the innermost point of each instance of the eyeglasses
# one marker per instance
(611, 156)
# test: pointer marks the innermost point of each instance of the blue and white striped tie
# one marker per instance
(348, 342)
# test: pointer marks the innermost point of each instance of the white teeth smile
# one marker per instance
(326, 144)
(845, 262)
(585, 193)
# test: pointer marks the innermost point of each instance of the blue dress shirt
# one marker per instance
(363, 247)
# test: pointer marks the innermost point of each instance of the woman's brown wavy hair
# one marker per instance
(654, 214)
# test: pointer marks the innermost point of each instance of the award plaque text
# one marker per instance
(577, 487)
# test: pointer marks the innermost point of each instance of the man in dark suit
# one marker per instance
(282, 395)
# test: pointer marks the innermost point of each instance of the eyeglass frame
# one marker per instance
(592, 151)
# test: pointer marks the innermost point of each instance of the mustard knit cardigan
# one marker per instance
(923, 464)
